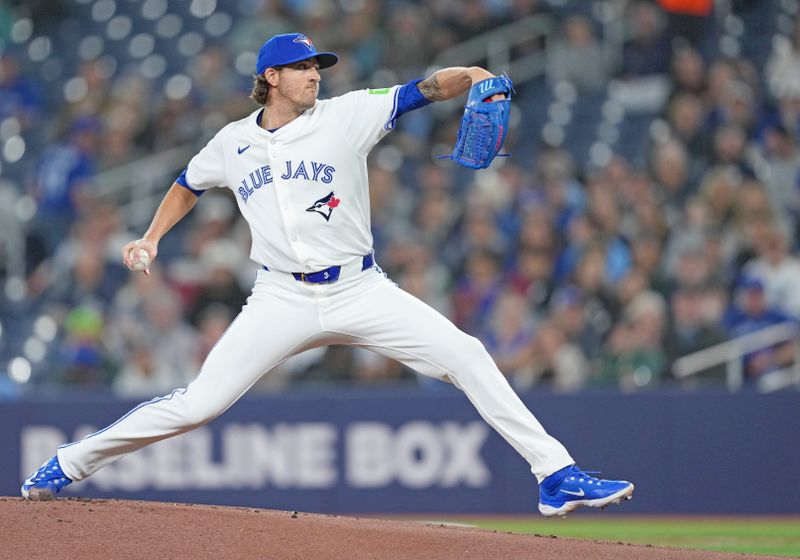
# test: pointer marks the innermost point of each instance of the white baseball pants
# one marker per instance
(284, 317)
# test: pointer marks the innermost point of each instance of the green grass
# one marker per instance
(773, 536)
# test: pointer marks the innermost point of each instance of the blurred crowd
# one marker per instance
(574, 274)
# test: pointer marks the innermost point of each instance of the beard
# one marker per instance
(308, 98)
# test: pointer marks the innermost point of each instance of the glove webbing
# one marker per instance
(480, 138)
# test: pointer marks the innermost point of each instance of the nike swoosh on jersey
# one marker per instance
(578, 493)
(242, 150)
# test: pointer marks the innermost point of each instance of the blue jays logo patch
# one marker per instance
(302, 39)
(324, 206)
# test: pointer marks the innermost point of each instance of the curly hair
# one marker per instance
(260, 89)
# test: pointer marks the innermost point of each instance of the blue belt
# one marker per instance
(330, 274)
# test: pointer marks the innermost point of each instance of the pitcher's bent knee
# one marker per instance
(469, 355)
(195, 411)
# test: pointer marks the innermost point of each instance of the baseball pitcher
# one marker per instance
(297, 167)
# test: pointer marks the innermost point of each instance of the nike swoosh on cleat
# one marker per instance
(578, 493)
(242, 150)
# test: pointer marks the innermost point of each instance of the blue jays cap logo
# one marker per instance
(305, 41)
(325, 205)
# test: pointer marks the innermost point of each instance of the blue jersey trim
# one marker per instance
(393, 115)
(407, 98)
(258, 122)
(181, 180)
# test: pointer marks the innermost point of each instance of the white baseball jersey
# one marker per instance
(303, 188)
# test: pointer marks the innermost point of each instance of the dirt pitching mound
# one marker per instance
(94, 529)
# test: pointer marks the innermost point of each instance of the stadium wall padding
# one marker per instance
(409, 451)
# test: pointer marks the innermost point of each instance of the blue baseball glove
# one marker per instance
(484, 125)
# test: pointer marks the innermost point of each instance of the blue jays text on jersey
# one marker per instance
(262, 176)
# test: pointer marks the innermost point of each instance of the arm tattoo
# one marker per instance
(430, 89)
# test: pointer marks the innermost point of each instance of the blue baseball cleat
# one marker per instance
(46, 482)
(570, 488)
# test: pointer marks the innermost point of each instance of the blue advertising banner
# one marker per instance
(408, 451)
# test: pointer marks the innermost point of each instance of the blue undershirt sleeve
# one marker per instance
(409, 98)
(181, 180)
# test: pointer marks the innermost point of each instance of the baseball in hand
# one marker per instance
(140, 260)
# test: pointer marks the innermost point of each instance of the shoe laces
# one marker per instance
(578, 474)
(47, 471)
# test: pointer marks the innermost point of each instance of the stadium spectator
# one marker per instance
(435, 218)
(635, 356)
(783, 67)
(671, 173)
(689, 231)
(391, 205)
(779, 271)
(427, 279)
(531, 276)
(692, 269)
(80, 270)
(118, 148)
(648, 51)
(213, 79)
(750, 313)
(126, 313)
(537, 231)
(169, 126)
(93, 99)
(580, 58)
(629, 286)
(479, 233)
(605, 212)
(20, 97)
(648, 216)
(477, 290)
(693, 328)
(175, 341)
(581, 233)
(738, 107)
(220, 260)
(729, 143)
(212, 323)
(509, 335)
(584, 321)
(781, 176)
(686, 116)
(406, 24)
(590, 274)
(212, 223)
(84, 359)
(556, 363)
(557, 186)
(62, 180)
(646, 255)
(687, 70)
(142, 375)
(719, 186)
(261, 19)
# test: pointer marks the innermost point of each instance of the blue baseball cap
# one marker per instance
(289, 48)
(751, 283)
